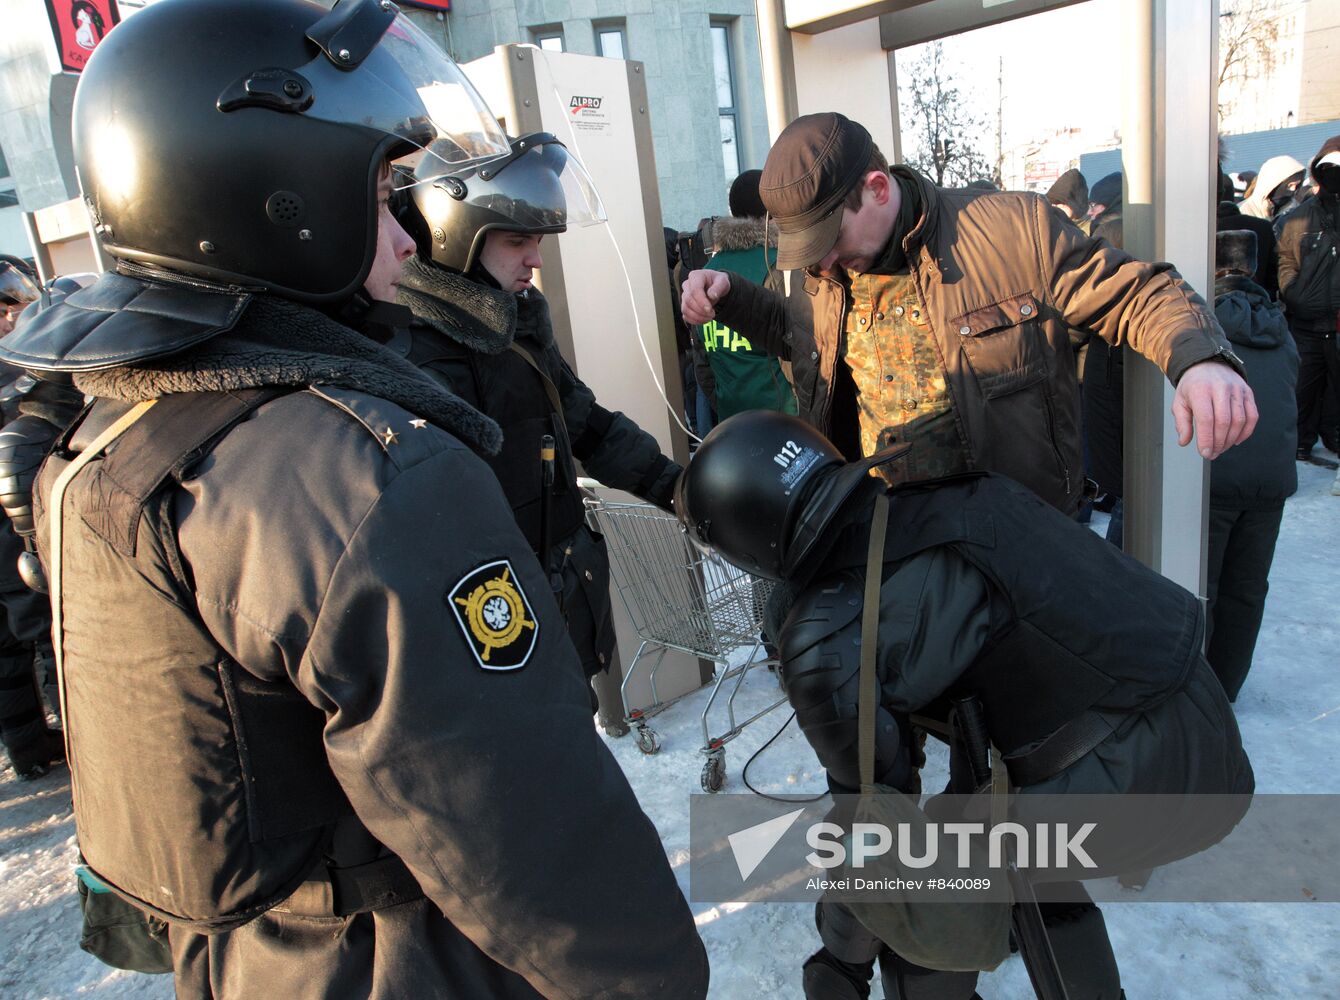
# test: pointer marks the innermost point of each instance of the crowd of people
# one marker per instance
(296, 541)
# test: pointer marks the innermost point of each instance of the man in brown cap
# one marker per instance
(939, 318)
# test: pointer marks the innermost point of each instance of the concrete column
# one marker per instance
(1168, 157)
(779, 69)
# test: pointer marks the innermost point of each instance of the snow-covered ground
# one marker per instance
(1290, 718)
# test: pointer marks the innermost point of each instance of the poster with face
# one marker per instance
(77, 26)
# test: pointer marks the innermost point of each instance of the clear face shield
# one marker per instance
(538, 185)
(377, 69)
(16, 288)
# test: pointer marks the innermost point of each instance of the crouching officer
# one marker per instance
(978, 576)
(323, 717)
(483, 330)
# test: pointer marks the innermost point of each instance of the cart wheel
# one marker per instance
(647, 740)
(714, 773)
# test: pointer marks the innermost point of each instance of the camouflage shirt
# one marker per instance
(902, 395)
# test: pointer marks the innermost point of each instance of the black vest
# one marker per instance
(507, 388)
(1072, 615)
(221, 807)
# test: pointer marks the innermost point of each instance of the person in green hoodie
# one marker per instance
(1250, 482)
(747, 377)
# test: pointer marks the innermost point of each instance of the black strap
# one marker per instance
(550, 389)
(168, 439)
(868, 684)
(372, 886)
(1059, 750)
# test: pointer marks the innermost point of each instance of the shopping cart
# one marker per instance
(681, 598)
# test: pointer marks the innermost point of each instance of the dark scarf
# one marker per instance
(893, 259)
(278, 342)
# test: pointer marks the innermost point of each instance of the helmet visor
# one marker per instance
(16, 288)
(410, 89)
(538, 187)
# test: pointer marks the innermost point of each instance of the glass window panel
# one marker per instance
(721, 63)
(611, 44)
(730, 149)
(552, 43)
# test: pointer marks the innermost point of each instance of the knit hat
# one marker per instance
(1107, 192)
(744, 200)
(1072, 191)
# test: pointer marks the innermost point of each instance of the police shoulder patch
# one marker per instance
(495, 616)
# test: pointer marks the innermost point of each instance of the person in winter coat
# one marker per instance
(971, 569)
(483, 331)
(1229, 216)
(1272, 191)
(1309, 281)
(746, 378)
(324, 717)
(1249, 483)
(941, 318)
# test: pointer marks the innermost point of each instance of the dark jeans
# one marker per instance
(1242, 547)
(1318, 375)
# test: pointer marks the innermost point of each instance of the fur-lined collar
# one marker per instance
(729, 233)
(481, 318)
(277, 342)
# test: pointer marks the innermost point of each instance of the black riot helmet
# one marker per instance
(241, 141)
(538, 187)
(762, 488)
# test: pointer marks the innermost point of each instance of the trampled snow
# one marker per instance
(1289, 713)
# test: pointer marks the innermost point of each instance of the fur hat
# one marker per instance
(1235, 250)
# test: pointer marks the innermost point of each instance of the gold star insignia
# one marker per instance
(389, 436)
(418, 424)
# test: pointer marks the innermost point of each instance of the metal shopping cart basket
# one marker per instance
(681, 598)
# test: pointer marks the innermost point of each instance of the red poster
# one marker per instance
(78, 26)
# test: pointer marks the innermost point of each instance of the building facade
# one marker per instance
(701, 60)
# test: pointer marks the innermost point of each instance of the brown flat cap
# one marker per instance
(814, 163)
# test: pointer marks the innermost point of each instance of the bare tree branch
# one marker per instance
(944, 129)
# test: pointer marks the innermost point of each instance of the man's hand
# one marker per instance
(700, 295)
(1215, 399)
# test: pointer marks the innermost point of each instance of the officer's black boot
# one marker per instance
(828, 978)
(35, 759)
(31, 746)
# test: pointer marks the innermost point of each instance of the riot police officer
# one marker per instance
(977, 580)
(484, 332)
(324, 718)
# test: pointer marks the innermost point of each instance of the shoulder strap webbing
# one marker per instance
(550, 389)
(868, 683)
(181, 428)
(57, 506)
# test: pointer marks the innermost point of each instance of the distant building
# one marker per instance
(1287, 76)
(701, 60)
(1035, 165)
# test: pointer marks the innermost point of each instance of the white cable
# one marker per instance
(575, 146)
